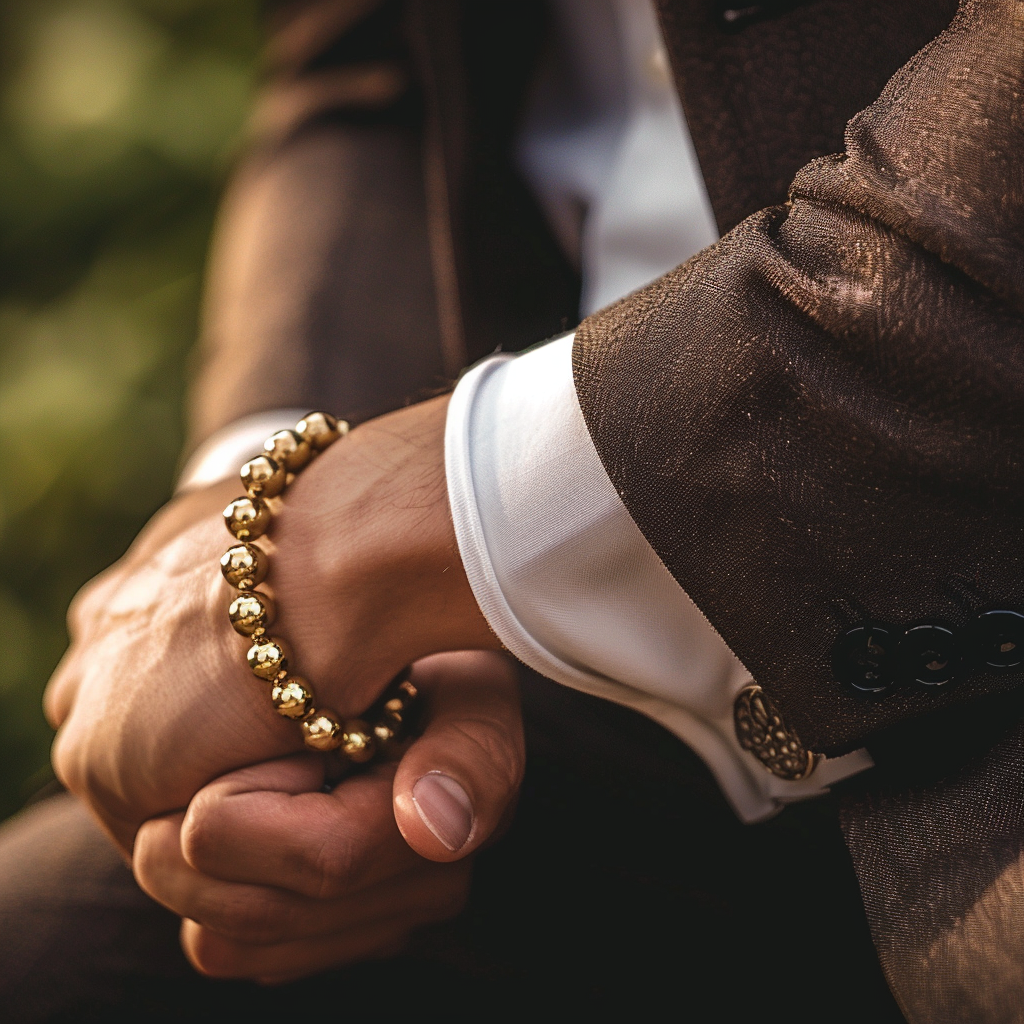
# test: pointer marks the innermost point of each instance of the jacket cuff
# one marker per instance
(571, 586)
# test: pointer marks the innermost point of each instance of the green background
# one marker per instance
(119, 121)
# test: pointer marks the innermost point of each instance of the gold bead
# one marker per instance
(263, 476)
(251, 613)
(385, 733)
(399, 712)
(321, 730)
(287, 449)
(247, 518)
(268, 658)
(358, 743)
(397, 716)
(244, 566)
(390, 737)
(292, 697)
(320, 429)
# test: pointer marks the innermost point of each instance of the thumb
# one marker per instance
(457, 782)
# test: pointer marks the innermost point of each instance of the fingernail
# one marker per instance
(444, 808)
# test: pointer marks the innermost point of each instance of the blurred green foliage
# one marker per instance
(118, 123)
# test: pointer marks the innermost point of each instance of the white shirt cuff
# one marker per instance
(222, 454)
(571, 586)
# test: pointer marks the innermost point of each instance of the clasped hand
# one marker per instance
(167, 736)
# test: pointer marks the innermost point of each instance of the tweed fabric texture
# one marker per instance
(818, 420)
(941, 871)
(764, 98)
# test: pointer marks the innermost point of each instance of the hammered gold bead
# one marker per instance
(292, 697)
(247, 518)
(244, 566)
(390, 737)
(320, 429)
(397, 718)
(251, 613)
(268, 658)
(398, 712)
(386, 732)
(263, 477)
(321, 730)
(358, 743)
(287, 449)
(395, 709)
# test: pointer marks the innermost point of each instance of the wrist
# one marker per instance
(409, 532)
(370, 574)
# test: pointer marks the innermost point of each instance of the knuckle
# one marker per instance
(58, 702)
(84, 769)
(331, 866)
(68, 762)
(215, 955)
(200, 833)
(54, 706)
(77, 771)
(253, 920)
(146, 862)
(83, 605)
(77, 612)
(498, 754)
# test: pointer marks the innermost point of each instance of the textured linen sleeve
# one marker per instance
(570, 585)
(319, 289)
(818, 422)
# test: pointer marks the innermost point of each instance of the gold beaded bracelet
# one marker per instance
(245, 566)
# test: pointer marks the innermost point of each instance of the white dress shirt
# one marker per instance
(606, 149)
(560, 570)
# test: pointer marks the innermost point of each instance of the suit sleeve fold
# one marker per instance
(819, 420)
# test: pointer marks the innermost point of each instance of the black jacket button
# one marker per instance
(997, 639)
(865, 659)
(930, 655)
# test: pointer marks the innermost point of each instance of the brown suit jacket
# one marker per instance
(816, 423)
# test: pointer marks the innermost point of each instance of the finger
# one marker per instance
(91, 598)
(61, 690)
(219, 957)
(263, 915)
(90, 605)
(271, 824)
(111, 812)
(457, 782)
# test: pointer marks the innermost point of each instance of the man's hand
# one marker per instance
(150, 699)
(276, 879)
(154, 699)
